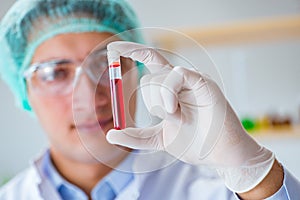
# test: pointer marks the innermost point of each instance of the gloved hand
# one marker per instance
(198, 127)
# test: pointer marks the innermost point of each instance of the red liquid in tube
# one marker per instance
(117, 99)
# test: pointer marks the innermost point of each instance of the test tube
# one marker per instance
(116, 91)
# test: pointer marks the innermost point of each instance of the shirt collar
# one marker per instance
(117, 179)
(51, 172)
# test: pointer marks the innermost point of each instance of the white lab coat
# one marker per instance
(176, 181)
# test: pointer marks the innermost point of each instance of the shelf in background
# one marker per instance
(281, 133)
(260, 30)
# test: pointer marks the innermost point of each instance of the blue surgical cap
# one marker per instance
(29, 23)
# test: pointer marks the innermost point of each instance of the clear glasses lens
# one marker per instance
(57, 77)
(96, 67)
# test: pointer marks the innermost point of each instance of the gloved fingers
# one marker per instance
(189, 77)
(172, 85)
(151, 85)
(138, 138)
(153, 60)
(181, 85)
(163, 91)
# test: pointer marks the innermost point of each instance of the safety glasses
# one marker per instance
(58, 77)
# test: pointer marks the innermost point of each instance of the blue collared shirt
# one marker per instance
(106, 189)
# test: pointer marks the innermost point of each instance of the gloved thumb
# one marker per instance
(138, 138)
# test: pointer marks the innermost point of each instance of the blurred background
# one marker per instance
(255, 46)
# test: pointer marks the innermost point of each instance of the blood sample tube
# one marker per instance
(116, 91)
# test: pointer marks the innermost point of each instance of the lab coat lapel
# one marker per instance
(46, 189)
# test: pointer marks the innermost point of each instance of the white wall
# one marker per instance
(260, 78)
(20, 136)
(268, 74)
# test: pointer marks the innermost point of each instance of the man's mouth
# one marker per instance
(92, 126)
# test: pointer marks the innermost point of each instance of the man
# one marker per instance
(49, 50)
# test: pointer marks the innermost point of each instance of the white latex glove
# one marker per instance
(198, 126)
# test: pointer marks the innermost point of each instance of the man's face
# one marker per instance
(76, 122)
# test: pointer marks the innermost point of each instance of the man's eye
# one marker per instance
(51, 74)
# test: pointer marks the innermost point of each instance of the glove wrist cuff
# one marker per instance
(245, 178)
